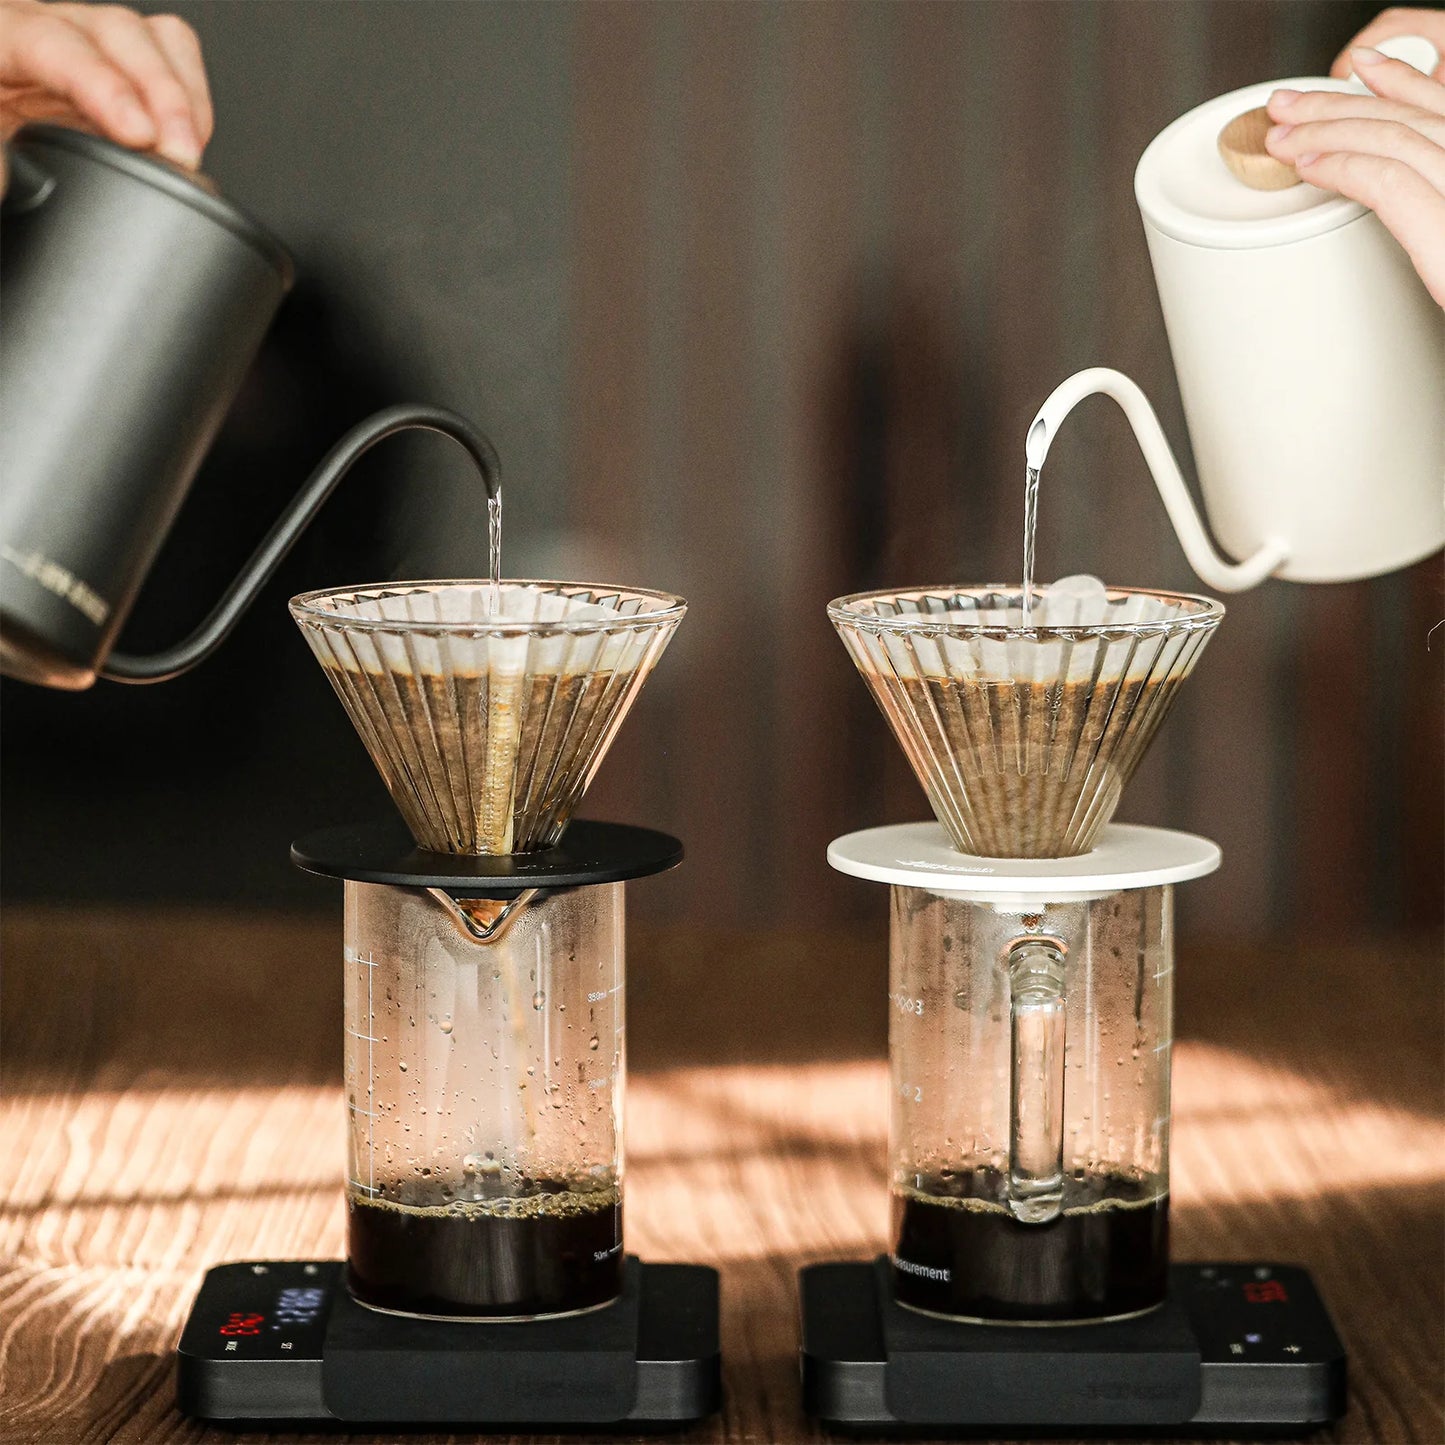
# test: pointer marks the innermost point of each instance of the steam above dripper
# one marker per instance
(487, 725)
(1024, 738)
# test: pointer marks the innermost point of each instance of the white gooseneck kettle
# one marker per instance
(1311, 364)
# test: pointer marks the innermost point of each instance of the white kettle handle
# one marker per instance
(1213, 570)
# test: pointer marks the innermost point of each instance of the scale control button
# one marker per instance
(259, 1269)
(1260, 1272)
(1236, 1349)
(1292, 1349)
(310, 1269)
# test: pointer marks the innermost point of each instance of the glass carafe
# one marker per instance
(1030, 1047)
(484, 1076)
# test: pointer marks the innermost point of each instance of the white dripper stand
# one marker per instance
(1031, 971)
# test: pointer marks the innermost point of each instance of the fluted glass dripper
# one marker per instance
(1024, 738)
(487, 724)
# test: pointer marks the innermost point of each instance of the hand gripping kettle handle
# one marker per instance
(1193, 536)
(160, 666)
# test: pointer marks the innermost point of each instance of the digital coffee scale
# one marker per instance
(1235, 1348)
(284, 1341)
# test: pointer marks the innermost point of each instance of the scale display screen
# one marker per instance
(294, 1307)
(299, 1306)
(273, 1311)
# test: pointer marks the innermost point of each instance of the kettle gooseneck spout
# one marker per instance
(161, 666)
(1214, 570)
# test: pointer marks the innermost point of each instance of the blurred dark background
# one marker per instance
(756, 301)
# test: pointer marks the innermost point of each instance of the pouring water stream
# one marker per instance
(1031, 521)
(494, 550)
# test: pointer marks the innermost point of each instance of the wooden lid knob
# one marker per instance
(1241, 145)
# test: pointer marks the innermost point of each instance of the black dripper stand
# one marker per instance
(484, 1035)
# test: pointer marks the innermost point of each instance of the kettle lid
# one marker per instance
(1185, 189)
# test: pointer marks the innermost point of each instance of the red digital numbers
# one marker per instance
(1265, 1292)
(243, 1324)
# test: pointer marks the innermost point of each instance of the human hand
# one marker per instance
(1387, 25)
(137, 80)
(1385, 150)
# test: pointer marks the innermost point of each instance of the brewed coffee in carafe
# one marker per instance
(484, 1070)
(1030, 1131)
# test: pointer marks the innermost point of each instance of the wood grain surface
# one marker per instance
(171, 1100)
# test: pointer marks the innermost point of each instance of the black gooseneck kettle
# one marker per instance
(134, 300)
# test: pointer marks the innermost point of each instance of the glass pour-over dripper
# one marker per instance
(1024, 737)
(487, 723)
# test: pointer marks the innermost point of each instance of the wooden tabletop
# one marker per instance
(171, 1100)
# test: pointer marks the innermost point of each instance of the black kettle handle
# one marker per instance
(160, 666)
(26, 184)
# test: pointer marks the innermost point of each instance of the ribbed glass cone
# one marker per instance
(1023, 738)
(487, 726)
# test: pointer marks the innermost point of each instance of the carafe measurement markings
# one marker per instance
(369, 964)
